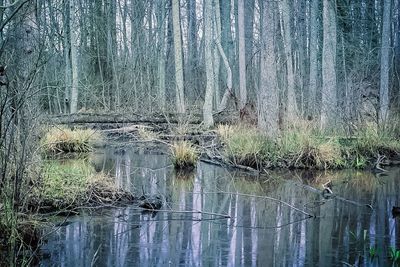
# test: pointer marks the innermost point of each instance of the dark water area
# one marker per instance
(216, 217)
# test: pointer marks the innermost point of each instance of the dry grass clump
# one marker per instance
(304, 146)
(63, 139)
(146, 134)
(184, 155)
(244, 145)
(329, 155)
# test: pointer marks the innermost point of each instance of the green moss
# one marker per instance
(65, 182)
(71, 183)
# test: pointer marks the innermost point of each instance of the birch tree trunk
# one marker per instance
(242, 56)
(208, 100)
(329, 94)
(268, 105)
(384, 85)
(180, 99)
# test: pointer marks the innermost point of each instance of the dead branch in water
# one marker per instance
(264, 197)
(332, 195)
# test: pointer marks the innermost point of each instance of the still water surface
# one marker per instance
(216, 217)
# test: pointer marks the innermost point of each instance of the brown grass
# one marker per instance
(61, 139)
(184, 155)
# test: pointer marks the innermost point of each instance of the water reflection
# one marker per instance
(216, 218)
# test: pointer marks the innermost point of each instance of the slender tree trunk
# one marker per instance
(180, 99)
(67, 52)
(162, 53)
(208, 100)
(226, 31)
(228, 92)
(249, 41)
(242, 56)
(268, 101)
(384, 85)
(313, 58)
(217, 37)
(74, 58)
(329, 95)
(192, 79)
(291, 108)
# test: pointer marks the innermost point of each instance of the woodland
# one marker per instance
(276, 67)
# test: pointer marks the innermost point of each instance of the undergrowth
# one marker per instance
(305, 147)
(61, 139)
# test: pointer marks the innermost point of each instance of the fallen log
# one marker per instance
(157, 118)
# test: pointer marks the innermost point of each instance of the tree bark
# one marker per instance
(313, 58)
(74, 58)
(242, 56)
(161, 20)
(208, 100)
(228, 92)
(268, 105)
(292, 112)
(384, 84)
(329, 95)
(180, 99)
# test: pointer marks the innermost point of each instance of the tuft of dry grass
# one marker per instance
(62, 139)
(146, 134)
(184, 155)
(244, 145)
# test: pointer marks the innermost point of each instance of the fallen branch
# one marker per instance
(332, 195)
(264, 197)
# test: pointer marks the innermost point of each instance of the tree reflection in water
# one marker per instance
(341, 233)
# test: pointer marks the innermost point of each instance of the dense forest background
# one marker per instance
(333, 62)
(277, 64)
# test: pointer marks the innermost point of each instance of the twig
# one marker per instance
(264, 197)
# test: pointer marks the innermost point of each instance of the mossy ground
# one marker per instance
(72, 183)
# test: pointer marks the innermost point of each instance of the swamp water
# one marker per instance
(216, 217)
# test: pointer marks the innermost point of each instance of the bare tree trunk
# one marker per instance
(329, 94)
(292, 111)
(161, 20)
(67, 51)
(268, 101)
(313, 58)
(384, 85)
(208, 100)
(242, 56)
(180, 99)
(74, 58)
(228, 92)
(192, 79)
(217, 37)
